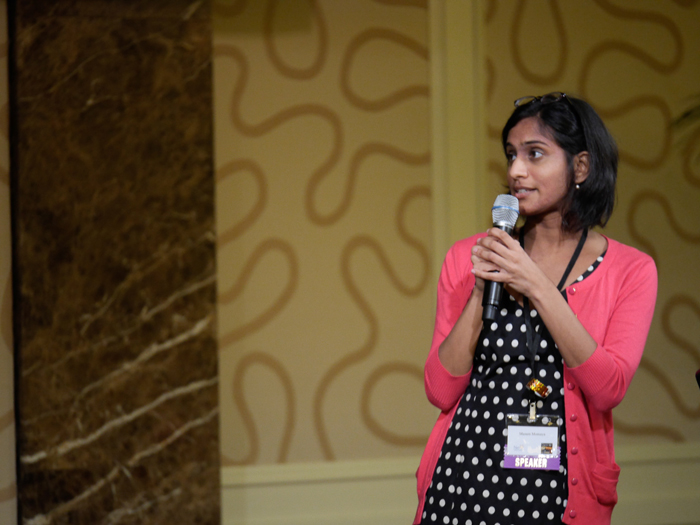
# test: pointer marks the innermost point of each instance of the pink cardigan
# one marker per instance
(615, 304)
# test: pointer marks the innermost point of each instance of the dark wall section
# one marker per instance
(113, 209)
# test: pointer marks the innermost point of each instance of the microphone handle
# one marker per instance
(493, 290)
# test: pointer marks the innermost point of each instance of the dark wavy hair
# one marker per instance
(575, 127)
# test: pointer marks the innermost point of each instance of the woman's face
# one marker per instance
(537, 169)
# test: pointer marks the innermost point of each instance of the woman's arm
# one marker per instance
(457, 327)
(621, 329)
(574, 342)
(457, 350)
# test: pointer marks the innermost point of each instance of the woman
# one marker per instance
(566, 342)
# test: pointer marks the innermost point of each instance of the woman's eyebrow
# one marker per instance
(528, 143)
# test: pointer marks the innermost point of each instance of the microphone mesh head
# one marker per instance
(505, 210)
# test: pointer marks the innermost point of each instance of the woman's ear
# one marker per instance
(581, 167)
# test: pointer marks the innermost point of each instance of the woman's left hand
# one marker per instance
(515, 267)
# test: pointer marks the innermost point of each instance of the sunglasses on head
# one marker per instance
(555, 96)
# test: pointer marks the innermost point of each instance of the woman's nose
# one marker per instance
(517, 168)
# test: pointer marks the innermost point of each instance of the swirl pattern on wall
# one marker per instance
(636, 52)
(278, 62)
(376, 425)
(391, 99)
(639, 236)
(370, 343)
(691, 158)
(268, 314)
(254, 169)
(635, 71)
(362, 153)
(322, 200)
(239, 396)
(561, 50)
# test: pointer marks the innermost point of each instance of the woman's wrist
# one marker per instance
(540, 291)
(477, 292)
(456, 352)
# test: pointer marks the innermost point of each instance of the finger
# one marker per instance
(483, 265)
(502, 252)
(481, 254)
(487, 269)
(497, 275)
(492, 251)
(502, 236)
(492, 242)
(481, 258)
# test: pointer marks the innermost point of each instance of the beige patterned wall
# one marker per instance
(324, 228)
(637, 62)
(324, 206)
(8, 501)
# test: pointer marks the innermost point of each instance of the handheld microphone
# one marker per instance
(505, 214)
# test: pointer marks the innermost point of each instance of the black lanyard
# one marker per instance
(533, 338)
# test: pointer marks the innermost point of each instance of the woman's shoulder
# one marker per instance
(460, 252)
(628, 258)
(466, 245)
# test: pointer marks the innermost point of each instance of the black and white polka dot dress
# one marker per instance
(470, 485)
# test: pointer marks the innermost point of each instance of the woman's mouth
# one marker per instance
(522, 192)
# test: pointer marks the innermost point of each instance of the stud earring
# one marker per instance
(577, 186)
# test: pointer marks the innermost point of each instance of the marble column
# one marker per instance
(113, 203)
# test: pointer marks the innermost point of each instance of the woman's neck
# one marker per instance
(548, 236)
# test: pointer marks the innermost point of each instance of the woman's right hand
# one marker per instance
(483, 265)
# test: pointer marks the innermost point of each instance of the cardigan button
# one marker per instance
(573, 291)
(574, 482)
(574, 450)
(572, 513)
(574, 417)
(570, 386)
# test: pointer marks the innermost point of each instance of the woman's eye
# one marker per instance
(510, 157)
(535, 154)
